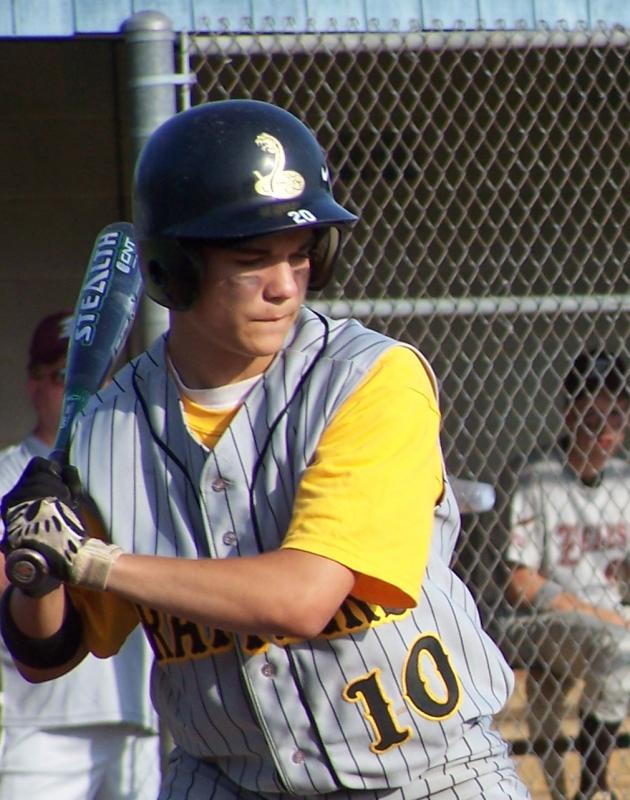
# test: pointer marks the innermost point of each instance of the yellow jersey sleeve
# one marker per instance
(107, 619)
(367, 500)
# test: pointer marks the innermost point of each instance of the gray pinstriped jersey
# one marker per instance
(382, 695)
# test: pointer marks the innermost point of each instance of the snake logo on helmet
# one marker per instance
(226, 171)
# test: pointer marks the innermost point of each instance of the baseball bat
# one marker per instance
(104, 313)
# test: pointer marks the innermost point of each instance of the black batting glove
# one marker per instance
(41, 478)
(40, 507)
(40, 514)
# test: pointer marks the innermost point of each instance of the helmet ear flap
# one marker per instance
(323, 256)
(171, 273)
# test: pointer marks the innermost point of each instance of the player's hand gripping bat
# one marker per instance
(103, 316)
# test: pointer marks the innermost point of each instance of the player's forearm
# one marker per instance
(524, 585)
(527, 585)
(36, 632)
(286, 592)
(38, 617)
(568, 602)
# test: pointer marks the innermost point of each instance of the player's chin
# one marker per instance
(269, 345)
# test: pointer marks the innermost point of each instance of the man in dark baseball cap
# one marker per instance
(597, 396)
(50, 339)
(594, 371)
(46, 369)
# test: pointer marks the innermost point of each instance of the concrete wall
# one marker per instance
(64, 175)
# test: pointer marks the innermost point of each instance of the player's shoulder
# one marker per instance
(322, 346)
(617, 469)
(120, 391)
(15, 457)
(10, 452)
(402, 367)
(335, 339)
(349, 340)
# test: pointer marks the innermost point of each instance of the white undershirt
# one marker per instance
(219, 398)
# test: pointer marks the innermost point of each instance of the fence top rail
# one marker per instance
(473, 306)
(228, 43)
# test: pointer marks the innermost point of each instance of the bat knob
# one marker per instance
(27, 570)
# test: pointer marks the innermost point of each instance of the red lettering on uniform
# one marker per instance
(575, 540)
(570, 544)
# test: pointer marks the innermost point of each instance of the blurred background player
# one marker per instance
(570, 532)
(91, 734)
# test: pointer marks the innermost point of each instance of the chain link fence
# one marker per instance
(490, 173)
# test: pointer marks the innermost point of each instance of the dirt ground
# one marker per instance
(529, 770)
(511, 723)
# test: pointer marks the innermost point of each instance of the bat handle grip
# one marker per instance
(27, 570)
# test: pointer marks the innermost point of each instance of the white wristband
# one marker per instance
(91, 565)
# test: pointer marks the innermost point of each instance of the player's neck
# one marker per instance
(200, 369)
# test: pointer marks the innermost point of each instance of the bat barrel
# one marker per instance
(103, 315)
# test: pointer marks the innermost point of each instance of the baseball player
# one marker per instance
(568, 550)
(274, 488)
(91, 734)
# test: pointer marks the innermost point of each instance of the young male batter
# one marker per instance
(273, 483)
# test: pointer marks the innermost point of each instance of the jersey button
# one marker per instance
(269, 671)
(229, 537)
(218, 484)
(298, 757)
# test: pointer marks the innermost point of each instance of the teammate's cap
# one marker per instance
(50, 339)
(594, 370)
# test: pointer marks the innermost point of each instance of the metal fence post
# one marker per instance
(152, 82)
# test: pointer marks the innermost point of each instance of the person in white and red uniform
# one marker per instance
(570, 530)
(91, 735)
